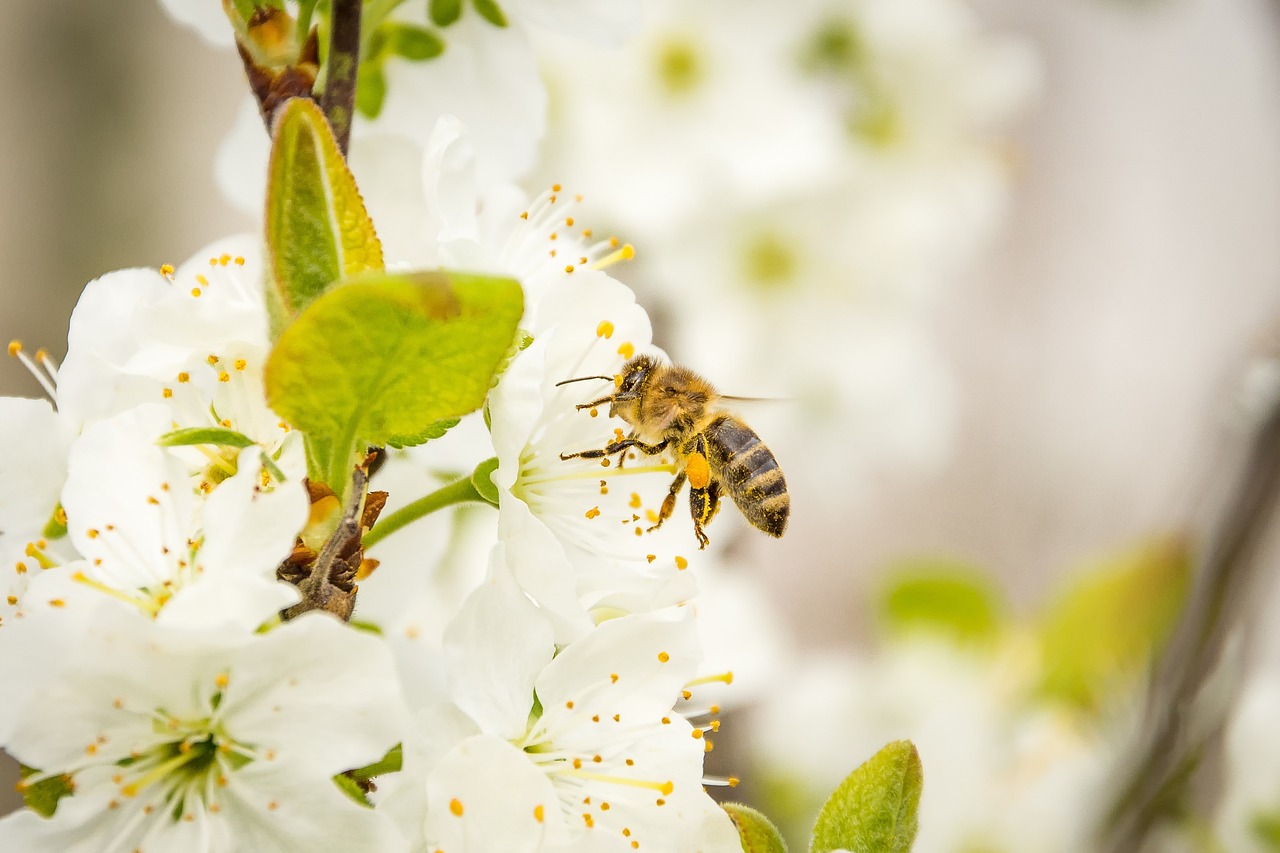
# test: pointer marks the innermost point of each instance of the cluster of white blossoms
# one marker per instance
(541, 684)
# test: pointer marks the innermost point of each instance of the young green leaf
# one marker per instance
(383, 359)
(491, 12)
(758, 834)
(1102, 630)
(943, 597)
(874, 810)
(371, 89)
(444, 12)
(414, 43)
(318, 230)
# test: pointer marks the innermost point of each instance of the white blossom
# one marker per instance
(207, 740)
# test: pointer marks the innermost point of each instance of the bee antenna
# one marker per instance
(583, 379)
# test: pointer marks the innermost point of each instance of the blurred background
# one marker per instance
(1013, 266)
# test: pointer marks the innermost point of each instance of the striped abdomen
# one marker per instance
(750, 474)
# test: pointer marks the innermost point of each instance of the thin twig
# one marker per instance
(341, 66)
(1186, 706)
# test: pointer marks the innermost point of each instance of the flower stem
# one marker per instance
(339, 97)
(459, 491)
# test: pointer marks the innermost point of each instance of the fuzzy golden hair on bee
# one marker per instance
(670, 407)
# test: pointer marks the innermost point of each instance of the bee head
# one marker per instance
(631, 381)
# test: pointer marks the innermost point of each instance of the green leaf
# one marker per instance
(482, 479)
(874, 810)
(943, 597)
(758, 834)
(371, 89)
(385, 358)
(318, 230)
(491, 12)
(219, 436)
(430, 433)
(413, 43)
(444, 12)
(42, 797)
(1103, 629)
(389, 763)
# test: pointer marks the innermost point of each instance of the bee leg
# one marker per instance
(595, 403)
(703, 504)
(618, 447)
(669, 502)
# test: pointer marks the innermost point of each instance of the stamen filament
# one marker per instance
(149, 606)
(664, 787)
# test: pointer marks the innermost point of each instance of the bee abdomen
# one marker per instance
(750, 474)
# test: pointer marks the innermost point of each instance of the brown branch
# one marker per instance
(1186, 706)
(339, 97)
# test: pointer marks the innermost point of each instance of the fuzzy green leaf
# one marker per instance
(943, 597)
(1100, 633)
(385, 358)
(219, 436)
(389, 763)
(42, 797)
(874, 810)
(444, 12)
(414, 43)
(757, 833)
(352, 789)
(482, 479)
(491, 12)
(318, 230)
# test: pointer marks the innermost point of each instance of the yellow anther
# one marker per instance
(241, 364)
(682, 563)
(15, 347)
(455, 807)
(166, 270)
(663, 657)
(593, 512)
(184, 377)
(627, 349)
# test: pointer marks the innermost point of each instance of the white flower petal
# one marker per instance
(486, 796)
(495, 647)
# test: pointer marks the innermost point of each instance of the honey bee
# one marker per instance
(671, 407)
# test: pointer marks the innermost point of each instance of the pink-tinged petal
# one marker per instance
(485, 795)
(495, 647)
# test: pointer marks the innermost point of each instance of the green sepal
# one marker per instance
(219, 436)
(55, 527)
(482, 479)
(317, 228)
(352, 789)
(417, 44)
(385, 358)
(875, 809)
(491, 12)
(42, 797)
(943, 597)
(444, 12)
(1104, 627)
(757, 832)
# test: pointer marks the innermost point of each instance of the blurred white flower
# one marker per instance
(1251, 782)
(207, 741)
(1000, 775)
